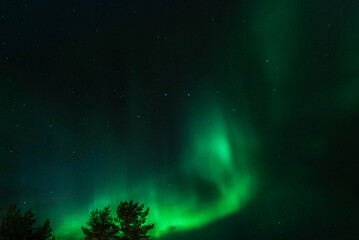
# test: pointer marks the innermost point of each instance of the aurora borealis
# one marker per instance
(228, 119)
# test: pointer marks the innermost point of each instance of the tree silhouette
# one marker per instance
(15, 226)
(11, 225)
(101, 225)
(44, 232)
(132, 218)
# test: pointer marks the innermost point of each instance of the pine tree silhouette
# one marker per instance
(132, 218)
(15, 226)
(101, 225)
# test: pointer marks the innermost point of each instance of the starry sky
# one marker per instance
(228, 119)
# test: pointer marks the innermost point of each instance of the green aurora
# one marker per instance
(215, 168)
(229, 120)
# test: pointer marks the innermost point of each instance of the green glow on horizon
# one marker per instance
(215, 180)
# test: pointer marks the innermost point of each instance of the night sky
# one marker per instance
(228, 119)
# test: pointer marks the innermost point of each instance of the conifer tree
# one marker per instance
(100, 225)
(132, 218)
(44, 232)
(17, 226)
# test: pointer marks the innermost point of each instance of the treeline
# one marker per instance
(129, 224)
(17, 226)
